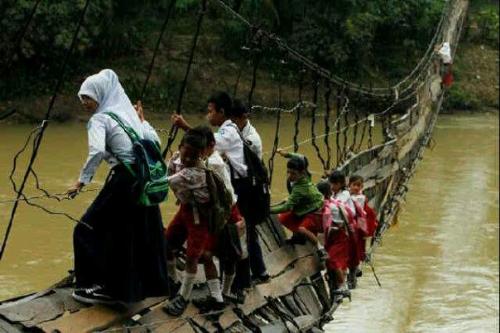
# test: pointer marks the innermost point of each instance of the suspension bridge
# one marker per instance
(297, 298)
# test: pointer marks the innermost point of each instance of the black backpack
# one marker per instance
(258, 177)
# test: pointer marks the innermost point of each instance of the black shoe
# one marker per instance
(262, 279)
(94, 295)
(209, 305)
(176, 306)
(352, 281)
(359, 273)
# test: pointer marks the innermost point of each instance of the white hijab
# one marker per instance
(105, 88)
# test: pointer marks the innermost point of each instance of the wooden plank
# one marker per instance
(280, 259)
(96, 317)
(6, 327)
(41, 309)
(281, 285)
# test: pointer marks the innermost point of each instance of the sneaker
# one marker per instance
(262, 279)
(94, 295)
(176, 306)
(208, 304)
(341, 293)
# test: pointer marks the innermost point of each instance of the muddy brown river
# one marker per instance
(439, 266)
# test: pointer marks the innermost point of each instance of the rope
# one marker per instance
(276, 133)
(174, 129)
(328, 94)
(157, 47)
(38, 139)
(313, 124)
(297, 115)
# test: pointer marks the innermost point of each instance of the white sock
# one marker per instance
(227, 282)
(215, 292)
(187, 286)
(172, 270)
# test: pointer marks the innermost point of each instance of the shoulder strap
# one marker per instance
(129, 130)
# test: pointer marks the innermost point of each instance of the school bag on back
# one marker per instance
(221, 201)
(151, 171)
(259, 183)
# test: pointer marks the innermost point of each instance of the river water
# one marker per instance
(438, 267)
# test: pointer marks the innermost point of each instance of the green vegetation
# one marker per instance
(370, 42)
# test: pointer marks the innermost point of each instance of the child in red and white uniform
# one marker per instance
(366, 217)
(340, 193)
(188, 182)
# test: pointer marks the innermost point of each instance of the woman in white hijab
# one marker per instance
(122, 257)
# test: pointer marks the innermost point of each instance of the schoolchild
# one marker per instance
(230, 245)
(302, 210)
(189, 184)
(121, 257)
(366, 217)
(340, 192)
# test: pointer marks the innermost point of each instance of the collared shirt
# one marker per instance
(216, 163)
(305, 198)
(109, 142)
(250, 134)
(228, 143)
(189, 184)
(345, 197)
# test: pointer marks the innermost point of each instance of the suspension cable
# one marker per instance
(174, 129)
(39, 137)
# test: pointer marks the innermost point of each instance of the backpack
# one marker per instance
(259, 183)
(150, 170)
(219, 208)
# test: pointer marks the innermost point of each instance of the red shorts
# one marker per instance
(292, 222)
(338, 250)
(183, 228)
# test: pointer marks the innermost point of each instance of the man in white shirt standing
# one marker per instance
(239, 115)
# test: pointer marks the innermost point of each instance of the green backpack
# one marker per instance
(150, 171)
(219, 208)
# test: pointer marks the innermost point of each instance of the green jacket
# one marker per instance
(304, 199)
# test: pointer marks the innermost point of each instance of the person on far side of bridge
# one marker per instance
(188, 181)
(342, 197)
(366, 217)
(301, 212)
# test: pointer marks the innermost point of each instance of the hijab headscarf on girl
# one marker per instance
(105, 88)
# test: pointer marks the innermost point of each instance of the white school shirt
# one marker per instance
(106, 140)
(216, 163)
(228, 142)
(250, 134)
(345, 197)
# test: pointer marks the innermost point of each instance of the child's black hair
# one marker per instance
(299, 163)
(337, 177)
(325, 188)
(207, 133)
(355, 178)
(221, 101)
(195, 139)
(239, 108)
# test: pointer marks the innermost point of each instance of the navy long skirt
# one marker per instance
(125, 250)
